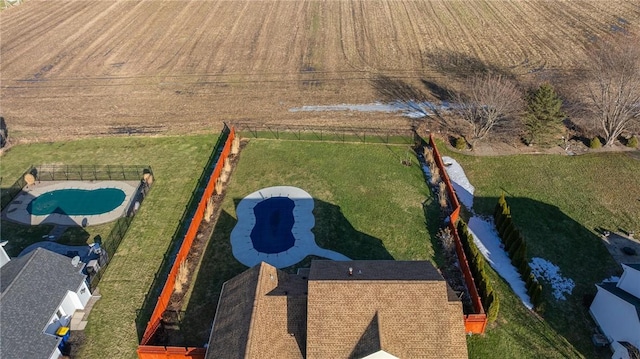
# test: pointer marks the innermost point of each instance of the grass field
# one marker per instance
(558, 202)
(86, 68)
(367, 206)
(177, 163)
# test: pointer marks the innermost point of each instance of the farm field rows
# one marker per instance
(83, 68)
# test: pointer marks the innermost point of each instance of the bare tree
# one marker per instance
(614, 87)
(489, 100)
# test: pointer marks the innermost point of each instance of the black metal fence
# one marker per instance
(9, 193)
(74, 173)
(89, 172)
(324, 133)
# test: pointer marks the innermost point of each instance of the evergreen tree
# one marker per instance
(502, 230)
(513, 238)
(507, 232)
(502, 202)
(520, 254)
(543, 115)
(494, 307)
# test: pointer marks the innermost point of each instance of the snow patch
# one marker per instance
(410, 109)
(464, 189)
(488, 242)
(542, 268)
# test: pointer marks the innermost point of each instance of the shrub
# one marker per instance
(530, 282)
(460, 143)
(525, 270)
(476, 264)
(537, 298)
(515, 248)
(632, 142)
(182, 277)
(595, 143)
(519, 255)
(502, 202)
(508, 231)
(493, 308)
(442, 195)
(504, 225)
(501, 218)
(428, 156)
(511, 239)
(435, 175)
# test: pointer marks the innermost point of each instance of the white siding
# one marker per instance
(630, 281)
(4, 257)
(70, 303)
(84, 294)
(56, 354)
(617, 318)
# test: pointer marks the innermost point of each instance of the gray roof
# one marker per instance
(612, 288)
(32, 288)
(635, 266)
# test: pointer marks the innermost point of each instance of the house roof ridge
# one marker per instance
(30, 257)
(254, 308)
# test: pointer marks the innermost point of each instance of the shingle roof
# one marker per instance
(31, 289)
(403, 308)
(261, 313)
(407, 303)
(374, 270)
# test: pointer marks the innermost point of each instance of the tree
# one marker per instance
(543, 114)
(489, 100)
(614, 86)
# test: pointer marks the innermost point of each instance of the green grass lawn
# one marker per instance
(367, 206)
(558, 202)
(177, 163)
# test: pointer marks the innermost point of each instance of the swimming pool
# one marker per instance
(82, 203)
(274, 225)
(77, 201)
(274, 222)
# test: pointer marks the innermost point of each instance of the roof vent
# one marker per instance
(350, 271)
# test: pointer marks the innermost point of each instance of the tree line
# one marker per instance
(493, 99)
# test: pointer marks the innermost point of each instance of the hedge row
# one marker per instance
(478, 270)
(516, 247)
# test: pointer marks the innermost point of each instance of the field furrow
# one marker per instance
(86, 66)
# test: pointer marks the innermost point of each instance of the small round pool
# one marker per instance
(274, 222)
(77, 202)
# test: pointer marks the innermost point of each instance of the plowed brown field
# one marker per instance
(74, 68)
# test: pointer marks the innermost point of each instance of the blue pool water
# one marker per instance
(77, 202)
(274, 221)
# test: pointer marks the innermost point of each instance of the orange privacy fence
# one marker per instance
(473, 323)
(152, 352)
(451, 193)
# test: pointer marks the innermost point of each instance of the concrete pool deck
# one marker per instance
(17, 210)
(304, 245)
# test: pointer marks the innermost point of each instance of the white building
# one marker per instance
(4, 257)
(616, 310)
(39, 292)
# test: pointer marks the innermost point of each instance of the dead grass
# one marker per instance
(183, 276)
